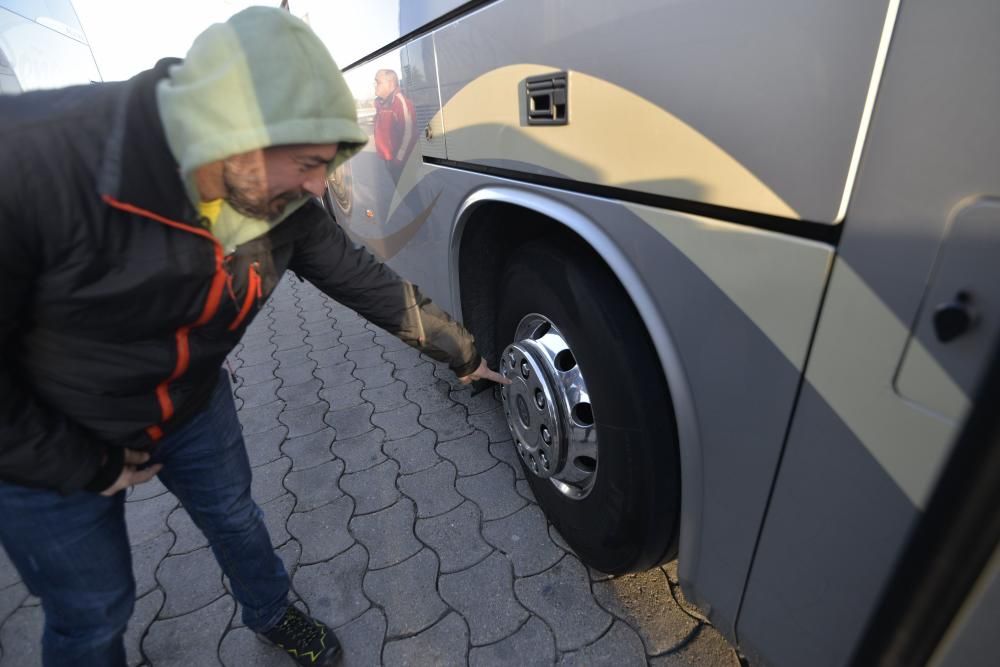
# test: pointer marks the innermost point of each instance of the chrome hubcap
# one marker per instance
(548, 407)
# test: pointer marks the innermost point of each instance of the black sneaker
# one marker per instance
(307, 640)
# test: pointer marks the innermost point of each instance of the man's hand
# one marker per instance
(131, 475)
(483, 373)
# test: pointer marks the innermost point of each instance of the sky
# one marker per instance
(128, 36)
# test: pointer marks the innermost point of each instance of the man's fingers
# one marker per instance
(496, 377)
(134, 457)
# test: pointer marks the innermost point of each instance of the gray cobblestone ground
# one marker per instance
(395, 499)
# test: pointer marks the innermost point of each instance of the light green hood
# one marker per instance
(262, 78)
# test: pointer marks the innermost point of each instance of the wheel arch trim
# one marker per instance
(666, 349)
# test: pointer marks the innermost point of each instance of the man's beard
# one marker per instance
(244, 185)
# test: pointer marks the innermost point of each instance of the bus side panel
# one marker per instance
(739, 304)
(865, 451)
(753, 106)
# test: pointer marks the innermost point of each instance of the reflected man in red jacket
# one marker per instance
(395, 122)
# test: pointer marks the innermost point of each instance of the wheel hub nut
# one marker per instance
(539, 399)
(546, 436)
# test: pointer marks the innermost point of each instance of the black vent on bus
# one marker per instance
(547, 99)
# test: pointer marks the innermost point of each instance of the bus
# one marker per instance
(42, 45)
(740, 261)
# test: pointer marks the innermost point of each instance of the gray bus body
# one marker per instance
(42, 45)
(792, 195)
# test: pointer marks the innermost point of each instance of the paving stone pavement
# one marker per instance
(395, 499)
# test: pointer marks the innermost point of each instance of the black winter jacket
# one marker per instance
(117, 308)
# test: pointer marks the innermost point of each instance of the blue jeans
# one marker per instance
(73, 551)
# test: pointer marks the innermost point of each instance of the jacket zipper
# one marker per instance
(209, 310)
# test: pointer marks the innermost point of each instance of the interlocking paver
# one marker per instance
(258, 355)
(241, 648)
(266, 484)
(309, 451)
(524, 537)
(373, 489)
(286, 323)
(351, 326)
(362, 638)
(264, 447)
(147, 490)
(446, 644)
(188, 536)
(386, 340)
(359, 341)
(493, 424)
(454, 536)
(386, 398)
(400, 422)
(433, 489)
(504, 451)
(324, 342)
(707, 647)
(257, 373)
(276, 515)
(333, 589)
(484, 401)
(304, 421)
(294, 356)
(261, 418)
(414, 453)
(407, 592)
(449, 424)
(11, 598)
(146, 609)
(366, 358)
(524, 490)
(620, 646)
(261, 393)
(484, 596)
(148, 518)
(362, 452)
(351, 422)
(470, 454)
(191, 639)
(531, 646)
(320, 327)
(322, 532)
(190, 581)
(645, 603)
(316, 486)
(403, 358)
(292, 375)
(315, 314)
(420, 375)
(21, 637)
(493, 491)
(388, 534)
(288, 341)
(432, 397)
(300, 395)
(561, 597)
(344, 395)
(376, 376)
(145, 559)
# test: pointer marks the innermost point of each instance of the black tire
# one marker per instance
(628, 521)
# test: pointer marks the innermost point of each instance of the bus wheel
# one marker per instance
(588, 407)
